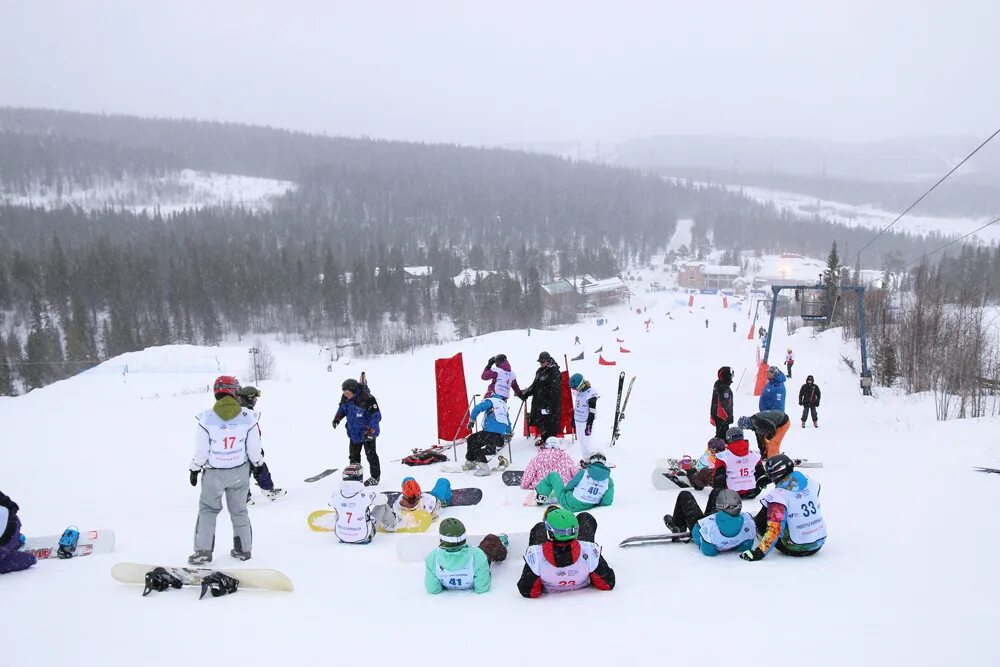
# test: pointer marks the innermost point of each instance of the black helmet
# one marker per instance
(733, 434)
(725, 374)
(499, 359)
(729, 502)
(545, 356)
(247, 396)
(778, 467)
(351, 385)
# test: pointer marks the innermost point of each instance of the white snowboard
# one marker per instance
(414, 548)
(272, 580)
(90, 542)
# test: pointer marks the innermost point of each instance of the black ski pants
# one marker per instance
(588, 529)
(687, 512)
(806, 409)
(482, 444)
(721, 427)
(354, 456)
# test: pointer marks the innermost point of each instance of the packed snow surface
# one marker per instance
(906, 577)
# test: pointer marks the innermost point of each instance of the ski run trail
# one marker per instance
(906, 577)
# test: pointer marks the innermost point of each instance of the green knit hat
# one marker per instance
(452, 534)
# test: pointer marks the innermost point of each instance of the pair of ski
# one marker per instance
(620, 406)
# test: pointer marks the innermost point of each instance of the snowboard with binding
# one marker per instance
(271, 580)
(669, 479)
(512, 477)
(665, 538)
(90, 542)
(459, 497)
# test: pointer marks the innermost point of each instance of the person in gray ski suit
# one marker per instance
(227, 446)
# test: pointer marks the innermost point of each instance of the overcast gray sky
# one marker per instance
(516, 72)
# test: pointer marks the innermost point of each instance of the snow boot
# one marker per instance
(469, 465)
(803, 424)
(815, 424)
(482, 470)
(668, 521)
(200, 557)
(239, 555)
(545, 500)
(274, 494)
(371, 481)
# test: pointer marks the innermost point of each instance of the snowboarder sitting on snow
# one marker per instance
(12, 559)
(769, 427)
(546, 408)
(773, 395)
(502, 379)
(457, 566)
(357, 509)
(584, 412)
(725, 529)
(702, 473)
(551, 458)
(562, 556)
(247, 397)
(589, 488)
(720, 411)
(792, 517)
(363, 418)
(738, 468)
(227, 445)
(413, 501)
(479, 445)
(809, 396)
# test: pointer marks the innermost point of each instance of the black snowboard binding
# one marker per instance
(219, 584)
(160, 580)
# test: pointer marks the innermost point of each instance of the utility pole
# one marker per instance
(253, 353)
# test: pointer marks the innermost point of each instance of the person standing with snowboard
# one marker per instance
(562, 556)
(809, 396)
(546, 408)
(720, 411)
(12, 559)
(584, 412)
(363, 418)
(227, 445)
(479, 445)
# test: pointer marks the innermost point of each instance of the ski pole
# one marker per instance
(741, 378)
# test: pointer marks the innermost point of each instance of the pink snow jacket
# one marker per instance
(546, 461)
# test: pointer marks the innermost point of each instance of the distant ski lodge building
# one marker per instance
(698, 275)
(587, 290)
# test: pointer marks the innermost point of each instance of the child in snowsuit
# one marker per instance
(726, 529)
(584, 412)
(809, 396)
(589, 488)
(502, 379)
(562, 556)
(357, 509)
(789, 362)
(702, 472)
(773, 395)
(227, 446)
(737, 467)
(792, 517)
(479, 445)
(551, 458)
(12, 559)
(457, 566)
(363, 419)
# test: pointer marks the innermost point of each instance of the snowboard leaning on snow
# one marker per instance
(90, 542)
(271, 580)
(459, 497)
(415, 549)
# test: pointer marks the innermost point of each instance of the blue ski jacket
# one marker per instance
(773, 395)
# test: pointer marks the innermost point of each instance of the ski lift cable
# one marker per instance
(932, 188)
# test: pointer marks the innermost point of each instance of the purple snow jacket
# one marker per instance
(491, 375)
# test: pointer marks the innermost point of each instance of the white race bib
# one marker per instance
(227, 446)
(739, 469)
(456, 580)
(558, 579)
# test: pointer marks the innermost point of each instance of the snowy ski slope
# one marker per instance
(905, 578)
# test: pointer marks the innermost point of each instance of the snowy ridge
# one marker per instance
(904, 578)
(185, 189)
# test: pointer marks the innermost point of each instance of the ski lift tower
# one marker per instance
(815, 307)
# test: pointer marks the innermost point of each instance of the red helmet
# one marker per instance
(226, 385)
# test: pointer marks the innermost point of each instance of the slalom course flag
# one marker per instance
(599, 350)
(616, 328)
(761, 379)
(623, 350)
(604, 362)
(579, 357)
(620, 340)
(691, 301)
(725, 301)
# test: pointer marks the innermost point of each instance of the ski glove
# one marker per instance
(590, 427)
(471, 425)
(335, 422)
(745, 423)
(194, 477)
(752, 555)
(492, 361)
